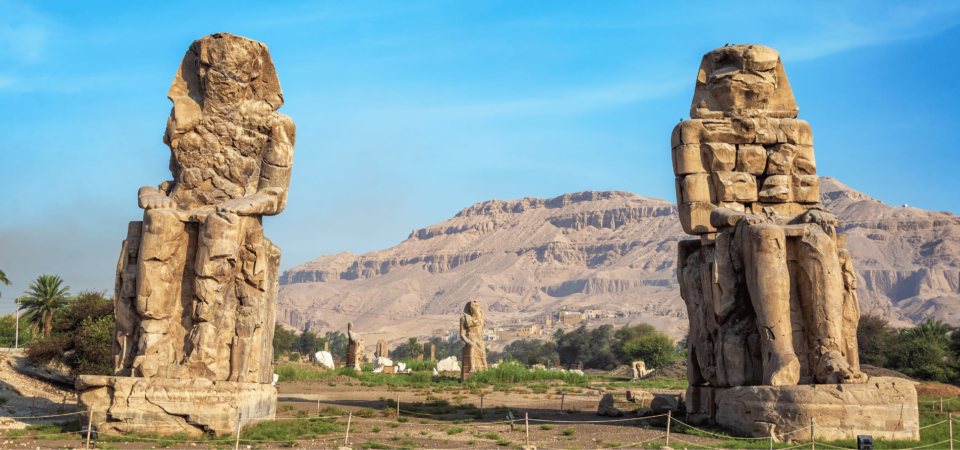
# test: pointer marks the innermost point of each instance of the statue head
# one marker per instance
(221, 69)
(742, 81)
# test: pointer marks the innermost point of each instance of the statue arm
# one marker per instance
(275, 169)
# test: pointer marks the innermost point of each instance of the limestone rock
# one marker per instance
(325, 358)
(607, 408)
(471, 333)
(448, 364)
(167, 406)
(380, 363)
(662, 403)
(882, 409)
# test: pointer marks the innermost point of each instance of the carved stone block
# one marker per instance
(698, 187)
(751, 159)
(718, 157)
(687, 160)
(695, 217)
(735, 187)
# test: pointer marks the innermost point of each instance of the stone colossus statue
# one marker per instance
(197, 280)
(769, 286)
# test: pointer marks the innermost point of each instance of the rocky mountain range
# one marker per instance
(614, 251)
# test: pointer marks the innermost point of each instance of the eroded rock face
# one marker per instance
(884, 408)
(197, 281)
(769, 286)
(471, 333)
(165, 406)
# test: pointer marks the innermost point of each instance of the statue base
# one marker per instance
(883, 407)
(167, 406)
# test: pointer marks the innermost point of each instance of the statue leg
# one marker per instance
(217, 267)
(822, 294)
(768, 281)
(163, 248)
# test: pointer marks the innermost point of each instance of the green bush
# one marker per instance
(517, 373)
(93, 347)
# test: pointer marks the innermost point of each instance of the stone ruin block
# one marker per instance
(718, 157)
(695, 217)
(738, 187)
(751, 159)
(687, 160)
(696, 187)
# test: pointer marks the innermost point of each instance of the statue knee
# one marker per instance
(767, 238)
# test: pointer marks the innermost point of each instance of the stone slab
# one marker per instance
(883, 407)
(167, 406)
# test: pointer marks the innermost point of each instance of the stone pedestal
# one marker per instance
(166, 406)
(883, 407)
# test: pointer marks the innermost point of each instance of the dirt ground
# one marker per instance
(579, 413)
(937, 390)
(27, 396)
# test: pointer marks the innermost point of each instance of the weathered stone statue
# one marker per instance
(474, 353)
(382, 350)
(197, 280)
(769, 286)
(356, 354)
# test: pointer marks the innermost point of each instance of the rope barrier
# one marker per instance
(43, 417)
(935, 424)
(741, 438)
(597, 421)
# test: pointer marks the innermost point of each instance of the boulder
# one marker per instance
(606, 407)
(448, 365)
(661, 403)
(380, 363)
(325, 359)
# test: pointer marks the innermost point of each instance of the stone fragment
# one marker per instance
(695, 217)
(662, 403)
(380, 363)
(607, 408)
(382, 350)
(751, 159)
(687, 159)
(325, 358)
(448, 364)
(718, 157)
(735, 187)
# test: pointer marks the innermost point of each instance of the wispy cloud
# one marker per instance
(836, 29)
(561, 103)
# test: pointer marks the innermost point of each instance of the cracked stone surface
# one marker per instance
(197, 281)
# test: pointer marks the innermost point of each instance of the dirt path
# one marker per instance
(25, 396)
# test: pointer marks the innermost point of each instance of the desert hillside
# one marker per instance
(611, 251)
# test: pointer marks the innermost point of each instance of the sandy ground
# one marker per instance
(25, 396)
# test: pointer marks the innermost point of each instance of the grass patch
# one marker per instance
(424, 421)
(376, 429)
(613, 444)
(393, 424)
(547, 427)
(568, 432)
(517, 373)
(471, 442)
(454, 430)
(375, 444)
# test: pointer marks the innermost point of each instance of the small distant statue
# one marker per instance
(382, 350)
(355, 351)
(471, 333)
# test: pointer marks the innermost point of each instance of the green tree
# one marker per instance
(306, 344)
(3, 279)
(925, 356)
(283, 340)
(338, 342)
(877, 341)
(655, 350)
(590, 347)
(531, 352)
(558, 334)
(81, 336)
(43, 299)
(8, 330)
(412, 348)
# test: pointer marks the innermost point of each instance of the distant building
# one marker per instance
(521, 332)
(593, 313)
(571, 318)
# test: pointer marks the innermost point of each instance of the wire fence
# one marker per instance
(671, 433)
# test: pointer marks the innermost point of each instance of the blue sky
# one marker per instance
(408, 112)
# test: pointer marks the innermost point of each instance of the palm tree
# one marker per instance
(3, 279)
(412, 348)
(43, 299)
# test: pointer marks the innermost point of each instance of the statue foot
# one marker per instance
(834, 369)
(783, 370)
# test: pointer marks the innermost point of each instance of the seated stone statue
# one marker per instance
(356, 353)
(769, 286)
(197, 280)
(474, 353)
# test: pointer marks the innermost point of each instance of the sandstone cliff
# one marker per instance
(597, 250)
